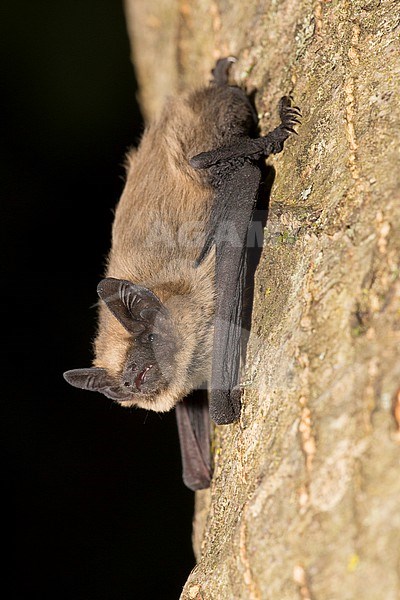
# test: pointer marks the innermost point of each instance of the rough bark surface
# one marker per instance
(305, 499)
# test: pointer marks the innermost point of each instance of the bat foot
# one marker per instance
(221, 70)
(290, 115)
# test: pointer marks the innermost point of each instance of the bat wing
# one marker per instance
(193, 421)
(236, 177)
(236, 195)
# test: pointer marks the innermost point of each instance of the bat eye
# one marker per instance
(151, 337)
(126, 383)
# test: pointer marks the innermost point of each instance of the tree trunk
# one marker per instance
(305, 499)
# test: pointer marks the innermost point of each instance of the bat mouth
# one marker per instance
(141, 377)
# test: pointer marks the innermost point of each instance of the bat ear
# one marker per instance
(96, 379)
(93, 378)
(135, 306)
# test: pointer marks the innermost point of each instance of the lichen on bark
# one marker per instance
(305, 499)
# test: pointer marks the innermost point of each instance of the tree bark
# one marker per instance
(305, 498)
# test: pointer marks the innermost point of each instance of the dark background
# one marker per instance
(97, 508)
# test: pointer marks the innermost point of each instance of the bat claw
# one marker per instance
(295, 117)
(293, 111)
(287, 128)
(284, 102)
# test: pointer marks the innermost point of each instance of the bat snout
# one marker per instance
(143, 379)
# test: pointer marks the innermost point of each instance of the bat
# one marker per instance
(170, 315)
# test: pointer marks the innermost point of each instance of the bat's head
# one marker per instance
(138, 364)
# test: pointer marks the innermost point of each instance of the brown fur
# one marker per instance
(163, 197)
